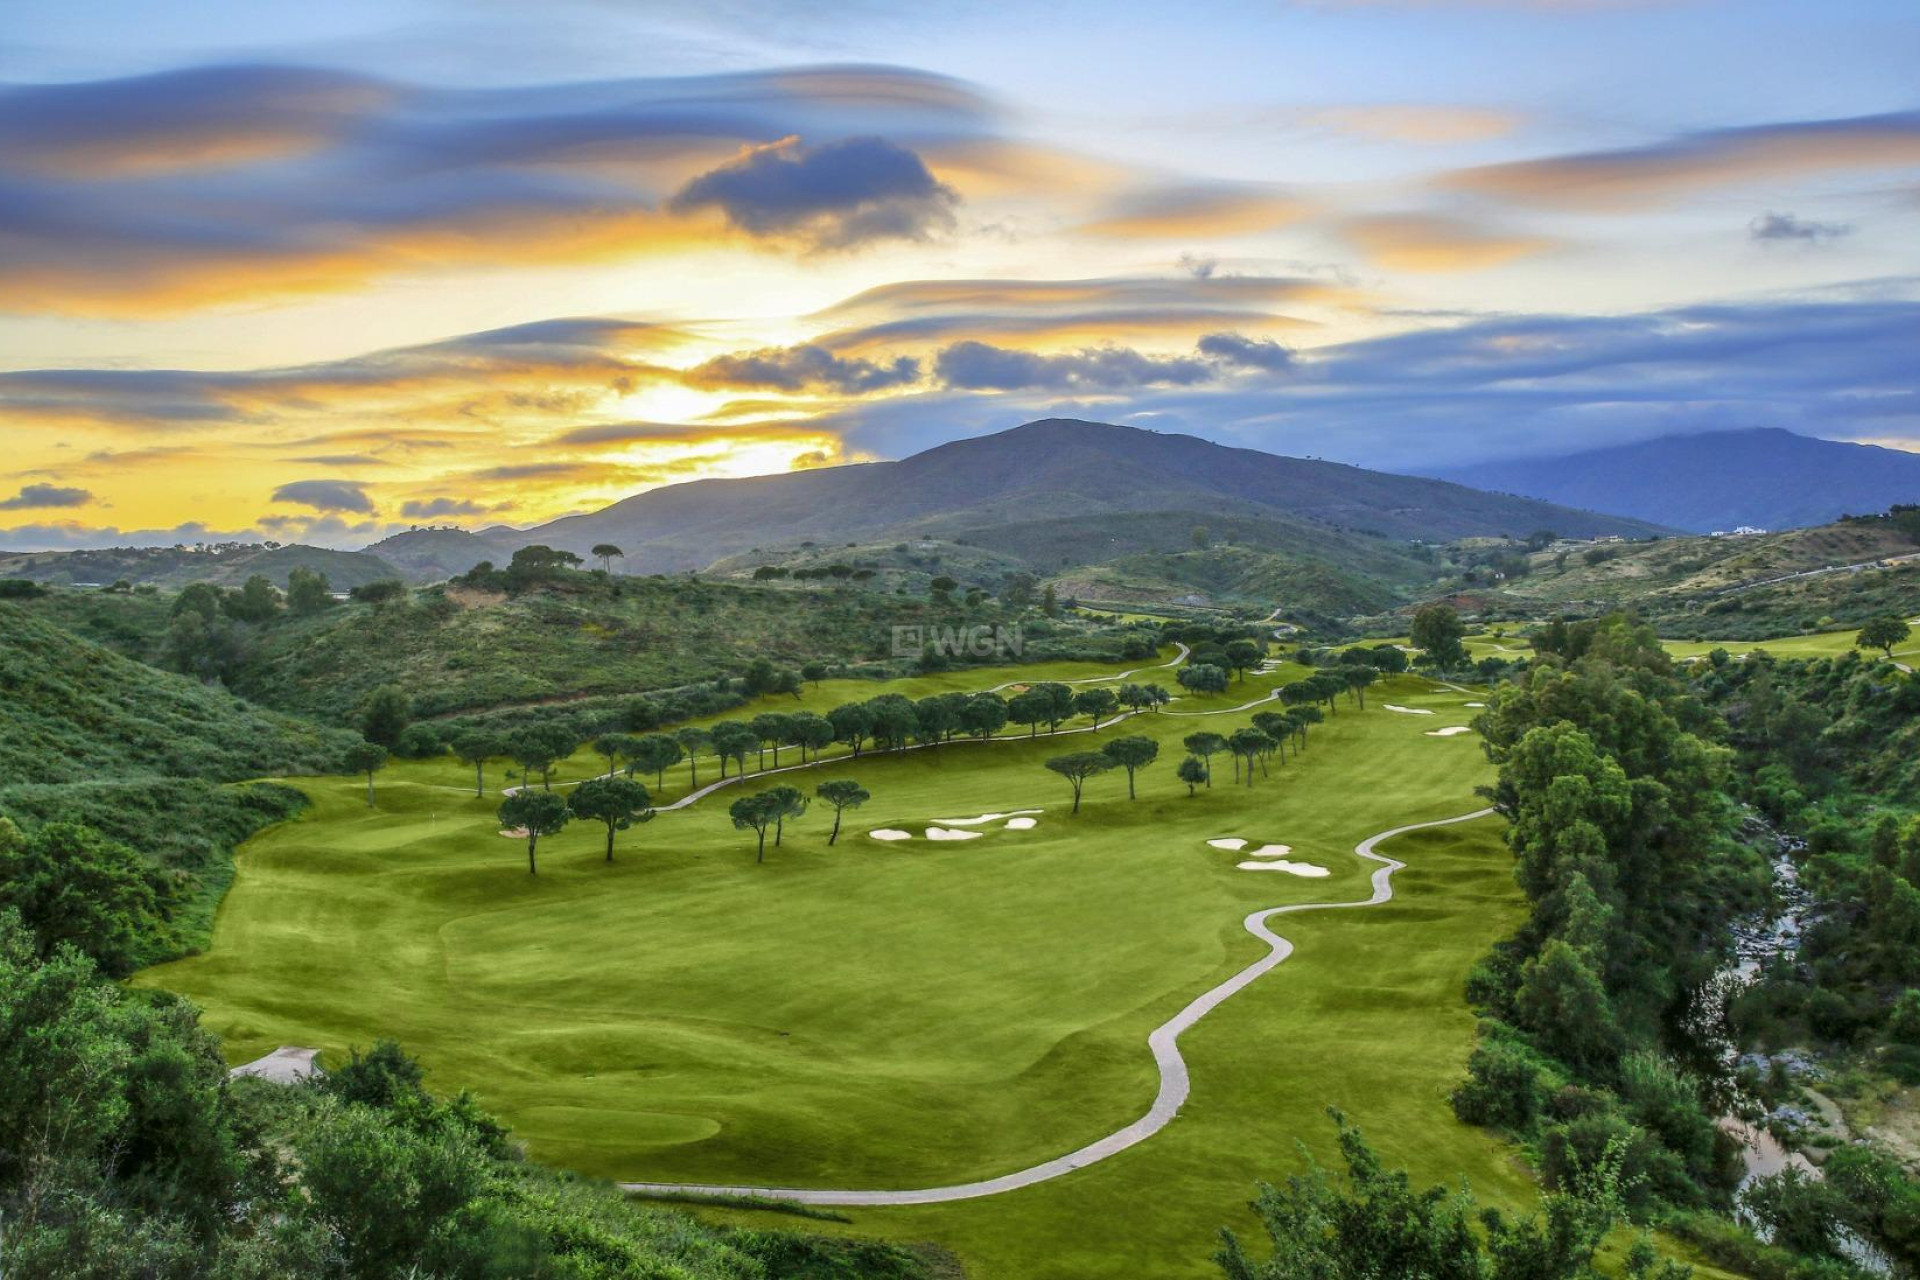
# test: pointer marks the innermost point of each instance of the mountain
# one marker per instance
(1043, 476)
(1765, 477)
(226, 564)
(430, 555)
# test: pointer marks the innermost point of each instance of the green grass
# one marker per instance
(914, 1014)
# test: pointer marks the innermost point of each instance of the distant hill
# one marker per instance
(1765, 477)
(1039, 475)
(433, 555)
(225, 564)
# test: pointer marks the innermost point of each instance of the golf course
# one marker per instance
(901, 1014)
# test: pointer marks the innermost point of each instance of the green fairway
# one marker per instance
(911, 1014)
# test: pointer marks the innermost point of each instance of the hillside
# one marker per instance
(1057, 469)
(1765, 478)
(1735, 588)
(225, 564)
(141, 755)
(433, 555)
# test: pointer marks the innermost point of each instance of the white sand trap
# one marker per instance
(890, 833)
(1306, 869)
(1476, 704)
(949, 833)
(1409, 711)
(1020, 824)
(514, 833)
(1271, 851)
(1230, 843)
(1452, 730)
(985, 818)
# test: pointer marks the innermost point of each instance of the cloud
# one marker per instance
(45, 495)
(216, 186)
(1428, 124)
(1650, 176)
(68, 536)
(803, 368)
(1247, 353)
(1772, 227)
(430, 508)
(1429, 243)
(979, 366)
(1188, 210)
(839, 195)
(326, 495)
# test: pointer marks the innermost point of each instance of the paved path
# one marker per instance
(1163, 1042)
(284, 1065)
(1178, 658)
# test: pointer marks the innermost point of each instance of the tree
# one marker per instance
(1156, 696)
(655, 754)
(1096, 704)
(1202, 677)
(379, 594)
(1193, 773)
(202, 598)
(618, 802)
(1206, 746)
(538, 813)
(942, 588)
(894, 720)
(852, 722)
(842, 794)
(757, 812)
(1243, 656)
(1437, 631)
(1357, 677)
(792, 805)
(1278, 725)
(366, 757)
(1882, 634)
(308, 591)
(731, 741)
(693, 741)
(611, 747)
(1131, 754)
(1056, 700)
(984, 714)
(476, 747)
(1077, 768)
(74, 887)
(538, 747)
(1248, 745)
(606, 553)
(813, 673)
(1027, 708)
(256, 601)
(385, 715)
(771, 729)
(1049, 603)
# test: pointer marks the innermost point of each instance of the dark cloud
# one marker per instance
(1247, 353)
(45, 495)
(980, 366)
(77, 537)
(326, 495)
(1771, 227)
(836, 196)
(804, 368)
(430, 508)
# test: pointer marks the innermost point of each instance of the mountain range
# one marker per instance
(1051, 478)
(1764, 477)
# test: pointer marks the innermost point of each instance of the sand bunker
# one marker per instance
(1450, 731)
(985, 818)
(1476, 704)
(1020, 824)
(1271, 851)
(1306, 869)
(1230, 843)
(889, 833)
(1409, 711)
(948, 833)
(514, 833)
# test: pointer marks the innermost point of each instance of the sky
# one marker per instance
(322, 272)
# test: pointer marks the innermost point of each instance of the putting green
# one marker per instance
(912, 1014)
